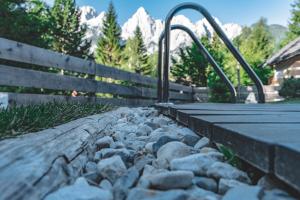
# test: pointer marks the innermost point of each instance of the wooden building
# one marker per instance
(286, 62)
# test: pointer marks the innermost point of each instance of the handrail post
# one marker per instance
(220, 33)
(204, 52)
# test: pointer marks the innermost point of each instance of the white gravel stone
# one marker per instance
(170, 151)
(206, 183)
(104, 142)
(81, 190)
(105, 184)
(197, 163)
(223, 170)
(146, 194)
(203, 142)
(244, 192)
(112, 168)
(171, 180)
(227, 184)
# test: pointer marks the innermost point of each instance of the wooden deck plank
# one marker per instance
(287, 163)
(265, 135)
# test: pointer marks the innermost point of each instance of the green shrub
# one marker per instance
(25, 119)
(218, 93)
(290, 88)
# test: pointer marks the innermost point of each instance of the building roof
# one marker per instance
(286, 56)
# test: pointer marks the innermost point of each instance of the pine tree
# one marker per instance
(294, 25)
(191, 67)
(67, 34)
(256, 45)
(135, 51)
(108, 50)
(25, 21)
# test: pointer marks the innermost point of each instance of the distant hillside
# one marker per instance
(278, 31)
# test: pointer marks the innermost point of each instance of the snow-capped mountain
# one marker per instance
(152, 28)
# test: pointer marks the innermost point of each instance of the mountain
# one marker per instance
(152, 28)
(278, 32)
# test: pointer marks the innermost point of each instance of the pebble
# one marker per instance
(104, 142)
(141, 193)
(105, 184)
(79, 191)
(244, 192)
(171, 180)
(203, 142)
(170, 151)
(160, 142)
(206, 183)
(112, 168)
(223, 170)
(227, 184)
(197, 163)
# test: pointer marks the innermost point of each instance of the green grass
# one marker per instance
(26, 119)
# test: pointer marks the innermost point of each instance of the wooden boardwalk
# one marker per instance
(266, 136)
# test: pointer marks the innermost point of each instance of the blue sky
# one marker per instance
(244, 12)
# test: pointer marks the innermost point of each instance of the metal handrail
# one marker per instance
(222, 35)
(205, 53)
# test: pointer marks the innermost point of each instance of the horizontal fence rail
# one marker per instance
(16, 71)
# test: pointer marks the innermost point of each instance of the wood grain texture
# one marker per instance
(20, 52)
(33, 165)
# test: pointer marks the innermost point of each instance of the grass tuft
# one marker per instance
(20, 120)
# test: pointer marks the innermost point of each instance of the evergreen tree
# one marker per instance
(67, 34)
(25, 21)
(135, 51)
(108, 50)
(191, 67)
(256, 45)
(294, 25)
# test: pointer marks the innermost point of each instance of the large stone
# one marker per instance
(169, 180)
(227, 184)
(203, 142)
(170, 151)
(126, 155)
(161, 121)
(90, 167)
(197, 163)
(145, 194)
(112, 168)
(143, 130)
(223, 170)
(206, 183)
(244, 192)
(162, 141)
(106, 185)
(141, 161)
(124, 183)
(197, 193)
(190, 140)
(149, 147)
(104, 142)
(81, 190)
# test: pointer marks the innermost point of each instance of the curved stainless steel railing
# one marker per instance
(221, 34)
(205, 53)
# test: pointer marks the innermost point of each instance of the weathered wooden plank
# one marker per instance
(238, 107)
(11, 76)
(20, 52)
(287, 163)
(259, 138)
(34, 165)
(33, 99)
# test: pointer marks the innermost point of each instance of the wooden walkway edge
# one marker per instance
(266, 136)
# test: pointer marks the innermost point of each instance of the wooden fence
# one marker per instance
(18, 71)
